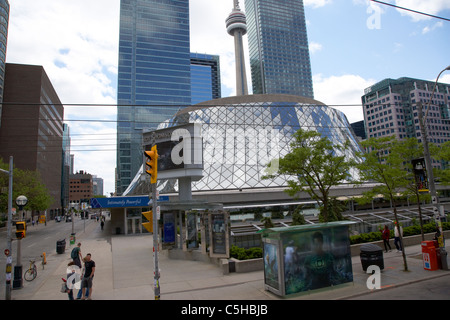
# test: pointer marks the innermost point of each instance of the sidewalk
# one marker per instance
(124, 271)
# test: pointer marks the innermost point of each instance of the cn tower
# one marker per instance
(237, 27)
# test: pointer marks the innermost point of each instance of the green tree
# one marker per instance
(316, 165)
(385, 167)
(297, 217)
(409, 149)
(443, 154)
(28, 183)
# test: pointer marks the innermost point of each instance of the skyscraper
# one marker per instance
(278, 47)
(154, 72)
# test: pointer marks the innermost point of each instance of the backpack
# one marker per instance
(74, 253)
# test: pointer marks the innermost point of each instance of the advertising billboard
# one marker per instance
(307, 258)
(316, 259)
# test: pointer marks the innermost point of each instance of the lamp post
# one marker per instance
(8, 251)
(430, 174)
(21, 202)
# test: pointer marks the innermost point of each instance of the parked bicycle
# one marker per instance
(31, 273)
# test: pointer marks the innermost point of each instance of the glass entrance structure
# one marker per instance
(242, 134)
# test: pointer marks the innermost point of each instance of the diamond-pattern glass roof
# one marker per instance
(239, 140)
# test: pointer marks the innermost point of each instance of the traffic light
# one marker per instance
(148, 225)
(152, 163)
(21, 229)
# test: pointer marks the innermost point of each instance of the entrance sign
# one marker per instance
(123, 202)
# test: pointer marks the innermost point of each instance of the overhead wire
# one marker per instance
(410, 10)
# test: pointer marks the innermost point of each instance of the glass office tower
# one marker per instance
(205, 77)
(278, 47)
(154, 74)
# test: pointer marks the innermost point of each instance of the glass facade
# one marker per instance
(154, 73)
(205, 77)
(241, 135)
(278, 47)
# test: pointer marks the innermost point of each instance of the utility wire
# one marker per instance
(410, 10)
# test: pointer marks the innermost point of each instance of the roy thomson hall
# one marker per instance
(232, 140)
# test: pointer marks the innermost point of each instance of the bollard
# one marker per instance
(44, 259)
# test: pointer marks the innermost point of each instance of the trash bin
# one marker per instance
(429, 256)
(371, 254)
(60, 246)
(72, 238)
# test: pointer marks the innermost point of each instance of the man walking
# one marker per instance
(89, 270)
(76, 255)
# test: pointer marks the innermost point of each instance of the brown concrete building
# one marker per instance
(32, 127)
(81, 188)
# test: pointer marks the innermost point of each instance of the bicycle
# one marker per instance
(31, 273)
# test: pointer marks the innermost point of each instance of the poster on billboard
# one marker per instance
(316, 259)
(271, 265)
(219, 239)
(191, 230)
(168, 235)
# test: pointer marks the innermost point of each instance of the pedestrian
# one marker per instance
(70, 282)
(76, 255)
(80, 292)
(89, 271)
(397, 233)
(102, 224)
(385, 234)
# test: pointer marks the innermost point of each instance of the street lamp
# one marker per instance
(21, 201)
(430, 174)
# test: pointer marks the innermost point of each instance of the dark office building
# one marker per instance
(205, 77)
(32, 126)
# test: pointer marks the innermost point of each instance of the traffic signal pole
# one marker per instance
(431, 184)
(152, 163)
(8, 251)
(156, 285)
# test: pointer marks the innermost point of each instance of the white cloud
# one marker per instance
(76, 42)
(316, 3)
(430, 7)
(314, 47)
(427, 29)
(342, 93)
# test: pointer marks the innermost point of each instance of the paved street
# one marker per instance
(124, 271)
(40, 238)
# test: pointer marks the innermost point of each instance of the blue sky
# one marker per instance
(77, 44)
(398, 46)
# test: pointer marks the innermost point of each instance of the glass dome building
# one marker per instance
(242, 134)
